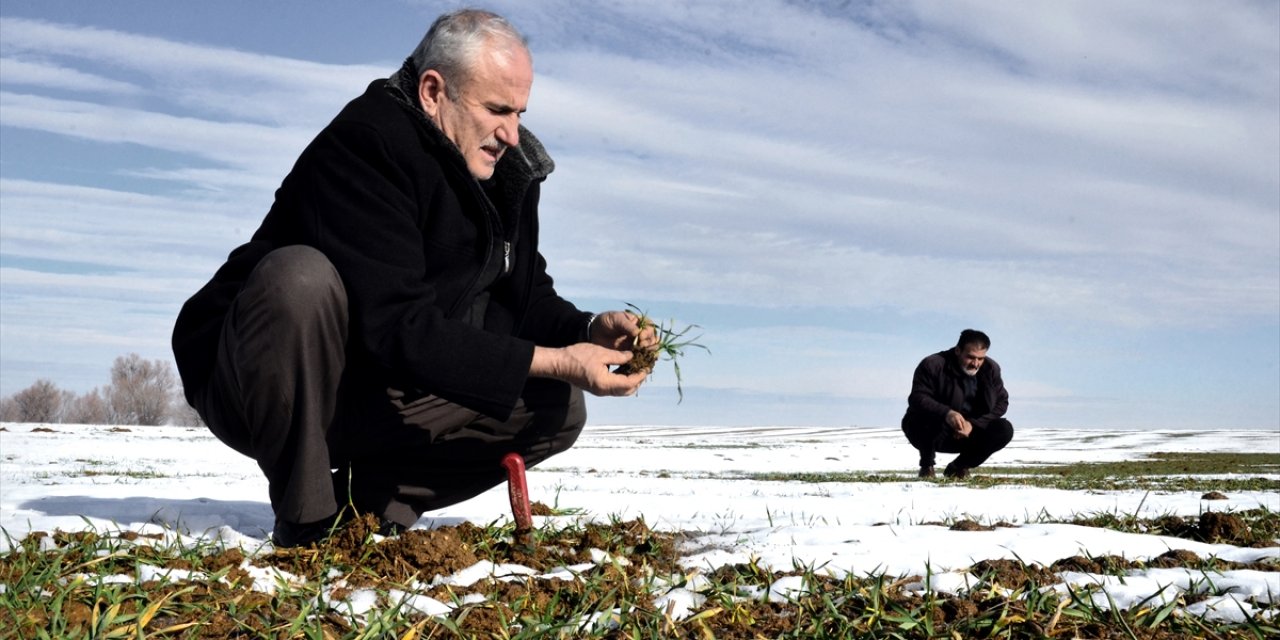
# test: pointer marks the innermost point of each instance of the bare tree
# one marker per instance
(183, 414)
(8, 409)
(141, 391)
(90, 408)
(66, 400)
(40, 402)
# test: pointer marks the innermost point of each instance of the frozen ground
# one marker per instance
(690, 479)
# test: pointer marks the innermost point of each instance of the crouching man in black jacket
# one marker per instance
(391, 331)
(957, 404)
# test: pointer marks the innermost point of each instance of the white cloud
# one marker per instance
(17, 71)
(1181, 45)
(203, 79)
(246, 145)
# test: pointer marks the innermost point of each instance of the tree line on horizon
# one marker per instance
(141, 393)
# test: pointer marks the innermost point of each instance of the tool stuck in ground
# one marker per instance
(518, 489)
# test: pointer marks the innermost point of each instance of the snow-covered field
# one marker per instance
(690, 479)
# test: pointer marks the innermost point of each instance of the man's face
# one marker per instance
(484, 120)
(971, 358)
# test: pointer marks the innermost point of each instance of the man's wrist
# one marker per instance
(586, 330)
(546, 362)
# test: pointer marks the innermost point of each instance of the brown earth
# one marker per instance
(641, 360)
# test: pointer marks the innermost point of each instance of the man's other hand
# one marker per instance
(961, 427)
(588, 367)
(621, 330)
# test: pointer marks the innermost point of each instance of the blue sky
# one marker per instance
(832, 190)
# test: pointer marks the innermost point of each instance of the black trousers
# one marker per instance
(324, 429)
(931, 436)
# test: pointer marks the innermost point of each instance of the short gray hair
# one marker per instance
(456, 39)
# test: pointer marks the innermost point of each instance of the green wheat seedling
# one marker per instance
(672, 343)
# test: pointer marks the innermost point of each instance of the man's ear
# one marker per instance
(431, 91)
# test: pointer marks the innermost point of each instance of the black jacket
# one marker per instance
(936, 389)
(389, 200)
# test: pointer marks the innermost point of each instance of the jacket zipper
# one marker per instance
(481, 200)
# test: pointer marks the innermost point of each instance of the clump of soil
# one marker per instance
(1212, 527)
(954, 609)
(970, 525)
(641, 359)
(1175, 526)
(1174, 558)
(1106, 564)
(1012, 573)
(1216, 526)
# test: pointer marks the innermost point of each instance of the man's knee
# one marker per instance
(922, 433)
(571, 422)
(298, 282)
(574, 421)
(999, 433)
(560, 414)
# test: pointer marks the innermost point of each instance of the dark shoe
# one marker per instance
(927, 471)
(952, 471)
(302, 534)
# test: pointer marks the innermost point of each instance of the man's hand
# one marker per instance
(587, 366)
(961, 427)
(621, 330)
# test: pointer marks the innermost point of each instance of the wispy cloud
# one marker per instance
(17, 71)
(207, 80)
(242, 144)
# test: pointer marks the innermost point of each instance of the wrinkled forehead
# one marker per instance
(500, 62)
(973, 351)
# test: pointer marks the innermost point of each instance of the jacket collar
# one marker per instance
(527, 162)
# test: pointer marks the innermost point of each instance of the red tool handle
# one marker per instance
(518, 489)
